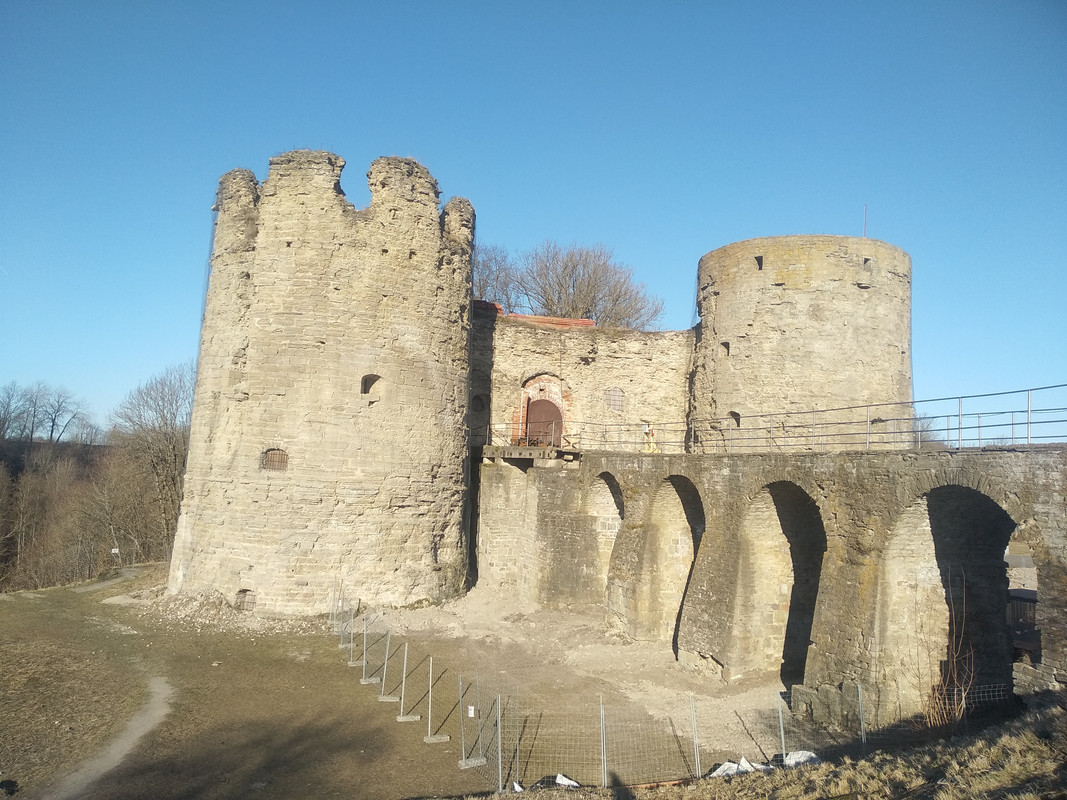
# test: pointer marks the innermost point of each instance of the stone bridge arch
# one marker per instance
(652, 561)
(942, 604)
(606, 508)
(674, 527)
(779, 569)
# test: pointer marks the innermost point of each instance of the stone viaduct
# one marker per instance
(832, 570)
(358, 419)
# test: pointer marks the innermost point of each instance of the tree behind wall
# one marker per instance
(575, 282)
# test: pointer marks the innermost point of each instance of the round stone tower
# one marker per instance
(801, 323)
(328, 440)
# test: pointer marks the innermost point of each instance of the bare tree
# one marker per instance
(38, 410)
(10, 410)
(576, 282)
(493, 275)
(33, 400)
(152, 426)
(59, 410)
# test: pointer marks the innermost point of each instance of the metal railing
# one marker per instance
(1025, 416)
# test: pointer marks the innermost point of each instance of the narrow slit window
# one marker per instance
(759, 262)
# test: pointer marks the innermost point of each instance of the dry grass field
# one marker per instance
(271, 709)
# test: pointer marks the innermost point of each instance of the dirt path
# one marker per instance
(78, 784)
(273, 708)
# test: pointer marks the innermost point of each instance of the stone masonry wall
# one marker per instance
(869, 511)
(328, 438)
(793, 323)
(649, 370)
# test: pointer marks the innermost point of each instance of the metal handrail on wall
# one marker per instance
(1025, 416)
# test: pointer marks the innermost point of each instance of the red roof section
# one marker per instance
(484, 308)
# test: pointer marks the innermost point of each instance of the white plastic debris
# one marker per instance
(516, 787)
(799, 758)
(724, 770)
(744, 766)
(563, 780)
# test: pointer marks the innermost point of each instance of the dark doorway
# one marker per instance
(544, 423)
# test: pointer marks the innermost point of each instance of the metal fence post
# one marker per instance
(603, 747)
(430, 737)
(518, 733)
(478, 718)
(781, 727)
(352, 639)
(959, 426)
(464, 761)
(402, 717)
(462, 727)
(499, 747)
(382, 696)
(1028, 409)
(364, 679)
(863, 726)
(696, 734)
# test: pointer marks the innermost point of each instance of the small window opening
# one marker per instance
(478, 403)
(245, 601)
(614, 399)
(725, 348)
(369, 384)
(866, 261)
(275, 459)
(736, 418)
(759, 262)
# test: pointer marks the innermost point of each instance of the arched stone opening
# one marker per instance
(544, 424)
(605, 505)
(970, 534)
(784, 542)
(539, 419)
(673, 533)
(943, 625)
(1022, 602)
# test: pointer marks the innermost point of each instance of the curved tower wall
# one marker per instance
(328, 438)
(795, 323)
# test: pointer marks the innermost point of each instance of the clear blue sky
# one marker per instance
(663, 130)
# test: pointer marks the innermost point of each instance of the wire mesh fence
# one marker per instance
(514, 739)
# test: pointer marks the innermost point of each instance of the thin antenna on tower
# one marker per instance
(864, 220)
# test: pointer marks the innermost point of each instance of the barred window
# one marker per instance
(275, 459)
(245, 600)
(613, 399)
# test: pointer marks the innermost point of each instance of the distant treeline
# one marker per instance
(75, 500)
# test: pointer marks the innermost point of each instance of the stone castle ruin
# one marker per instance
(358, 418)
